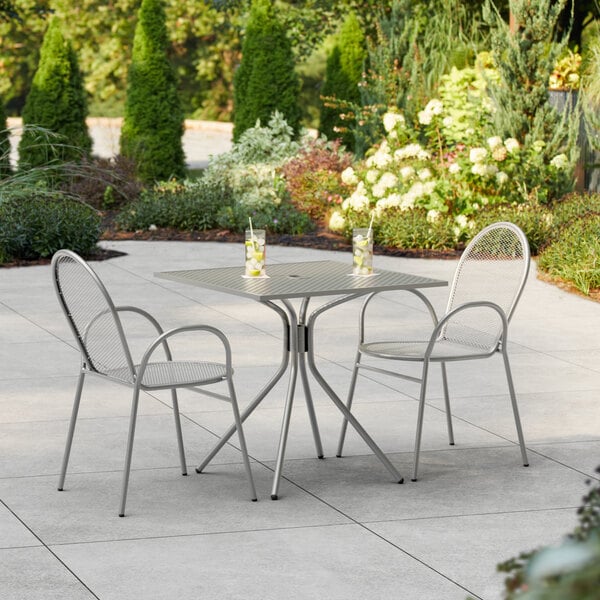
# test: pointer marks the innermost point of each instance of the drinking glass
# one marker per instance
(362, 251)
(254, 255)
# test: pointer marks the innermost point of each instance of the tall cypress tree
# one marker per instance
(56, 102)
(153, 124)
(4, 144)
(266, 80)
(342, 76)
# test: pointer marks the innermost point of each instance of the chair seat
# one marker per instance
(174, 373)
(415, 350)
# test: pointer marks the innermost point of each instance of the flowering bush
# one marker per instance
(446, 165)
(313, 177)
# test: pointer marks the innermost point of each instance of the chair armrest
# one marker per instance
(162, 340)
(363, 311)
(464, 308)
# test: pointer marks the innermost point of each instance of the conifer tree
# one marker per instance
(56, 102)
(342, 76)
(266, 80)
(4, 144)
(153, 123)
(525, 59)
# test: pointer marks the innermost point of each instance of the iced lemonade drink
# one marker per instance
(362, 249)
(255, 253)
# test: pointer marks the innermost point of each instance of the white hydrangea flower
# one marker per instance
(388, 180)
(406, 172)
(424, 174)
(454, 168)
(372, 175)
(378, 190)
(447, 121)
(408, 202)
(423, 154)
(359, 202)
(560, 161)
(337, 221)
(511, 145)
(429, 187)
(435, 107)
(349, 176)
(538, 145)
(433, 215)
(461, 221)
(391, 119)
(425, 117)
(494, 142)
(501, 177)
(477, 155)
(394, 200)
(382, 158)
(491, 170)
(479, 169)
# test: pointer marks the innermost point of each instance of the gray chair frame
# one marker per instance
(147, 375)
(431, 347)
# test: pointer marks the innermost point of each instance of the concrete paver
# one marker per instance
(341, 528)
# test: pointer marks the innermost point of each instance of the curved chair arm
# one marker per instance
(151, 319)
(363, 310)
(162, 340)
(465, 307)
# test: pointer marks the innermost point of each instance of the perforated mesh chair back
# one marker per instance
(91, 313)
(493, 268)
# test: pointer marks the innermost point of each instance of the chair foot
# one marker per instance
(198, 470)
(60, 489)
(413, 479)
(338, 456)
(122, 515)
(254, 499)
(321, 457)
(525, 464)
(452, 444)
(184, 474)
(274, 496)
(401, 480)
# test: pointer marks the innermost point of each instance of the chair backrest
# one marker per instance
(493, 268)
(91, 314)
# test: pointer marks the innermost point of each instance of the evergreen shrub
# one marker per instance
(153, 124)
(342, 76)
(34, 227)
(5, 168)
(266, 80)
(56, 103)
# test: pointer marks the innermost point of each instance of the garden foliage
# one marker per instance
(153, 122)
(266, 80)
(342, 77)
(57, 103)
(5, 168)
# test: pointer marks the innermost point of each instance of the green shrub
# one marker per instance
(575, 256)
(281, 218)
(343, 74)
(313, 177)
(570, 570)
(191, 205)
(153, 122)
(412, 229)
(5, 168)
(57, 103)
(36, 227)
(266, 80)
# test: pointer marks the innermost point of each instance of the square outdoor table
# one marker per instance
(303, 281)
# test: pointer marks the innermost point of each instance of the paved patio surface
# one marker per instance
(341, 528)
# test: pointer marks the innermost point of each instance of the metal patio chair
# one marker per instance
(487, 285)
(98, 329)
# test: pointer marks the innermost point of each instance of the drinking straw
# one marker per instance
(251, 232)
(370, 230)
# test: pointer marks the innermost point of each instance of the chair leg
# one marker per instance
(513, 400)
(179, 434)
(74, 413)
(447, 403)
(242, 438)
(420, 418)
(129, 451)
(348, 405)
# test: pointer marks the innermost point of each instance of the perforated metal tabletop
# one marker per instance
(299, 280)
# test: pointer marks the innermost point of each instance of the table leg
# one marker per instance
(285, 357)
(334, 397)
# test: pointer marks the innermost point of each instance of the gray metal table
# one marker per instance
(303, 281)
